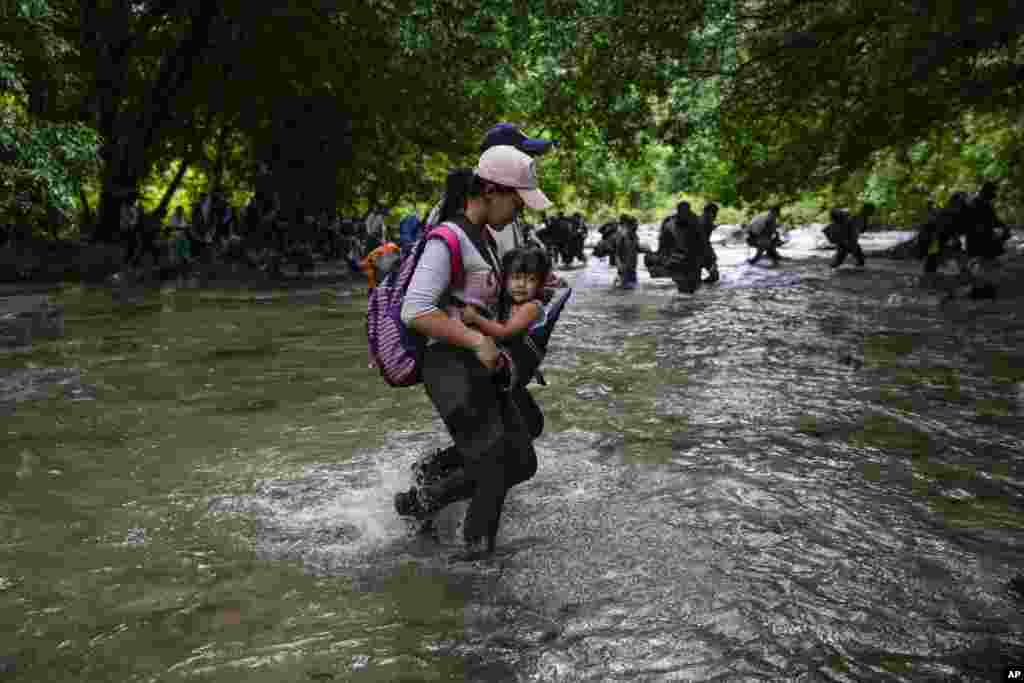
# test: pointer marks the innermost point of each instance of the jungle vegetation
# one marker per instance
(341, 105)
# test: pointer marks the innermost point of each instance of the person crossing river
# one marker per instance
(490, 417)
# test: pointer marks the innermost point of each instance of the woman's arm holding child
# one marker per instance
(520, 321)
(420, 308)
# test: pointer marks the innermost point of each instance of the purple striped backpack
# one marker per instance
(395, 349)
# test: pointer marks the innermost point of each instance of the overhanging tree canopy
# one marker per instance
(348, 102)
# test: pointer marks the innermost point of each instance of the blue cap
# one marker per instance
(509, 134)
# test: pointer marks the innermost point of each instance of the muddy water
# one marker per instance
(795, 474)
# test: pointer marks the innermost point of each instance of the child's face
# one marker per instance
(523, 286)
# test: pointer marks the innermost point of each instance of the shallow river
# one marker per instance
(796, 474)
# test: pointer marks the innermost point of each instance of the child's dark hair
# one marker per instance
(529, 260)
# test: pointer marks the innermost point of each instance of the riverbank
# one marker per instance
(211, 276)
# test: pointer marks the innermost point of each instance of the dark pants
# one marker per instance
(710, 264)
(491, 434)
(687, 280)
(770, 251)
(843, 250)
(946, 250)
(144, 244)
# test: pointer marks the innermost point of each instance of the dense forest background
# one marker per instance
(341, 105)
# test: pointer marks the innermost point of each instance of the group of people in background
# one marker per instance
(684, 248)
(563, 236)
(967, 229)
(259, 234)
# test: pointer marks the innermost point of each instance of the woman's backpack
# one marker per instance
(395, 349)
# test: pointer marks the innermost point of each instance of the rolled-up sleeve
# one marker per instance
(428, 283)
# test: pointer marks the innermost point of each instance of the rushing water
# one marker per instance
(796, 474)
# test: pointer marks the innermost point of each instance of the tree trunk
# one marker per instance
(217, 183)
(131, 134)
(119, 186)
(161, 210)
(87, 219)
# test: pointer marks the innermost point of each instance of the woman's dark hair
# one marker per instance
(529, 260)
(463, 183)
(456, 192)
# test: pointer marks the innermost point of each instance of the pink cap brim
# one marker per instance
(535, 199)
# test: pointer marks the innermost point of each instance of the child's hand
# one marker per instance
(470, 316)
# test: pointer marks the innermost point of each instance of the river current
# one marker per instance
(795, 474)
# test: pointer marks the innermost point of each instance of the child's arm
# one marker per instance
(520, 321)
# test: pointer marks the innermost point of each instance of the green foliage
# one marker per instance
(41, 159)
(812, 104)
(824, 87)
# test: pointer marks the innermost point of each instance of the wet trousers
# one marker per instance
(688, 280)
(981, 273)
(843, 250)
(627, 277)
(493, 442)
(710, 264)
(761, 251)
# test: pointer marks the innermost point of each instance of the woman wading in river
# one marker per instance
(465, 376)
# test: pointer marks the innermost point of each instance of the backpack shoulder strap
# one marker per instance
(445, 233)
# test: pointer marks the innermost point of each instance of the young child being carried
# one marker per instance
(525, 270)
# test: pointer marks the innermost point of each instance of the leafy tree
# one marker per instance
(822, 87)
(43, 155)
(342, 105)
(764, 101)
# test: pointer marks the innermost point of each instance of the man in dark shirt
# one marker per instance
(707, 225)
(845, 230)
(986, 236)
(763, 235)
(626, 248)
(986, 233)
(681, 248)
(939, 238)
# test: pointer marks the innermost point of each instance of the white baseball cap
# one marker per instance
(508, 166)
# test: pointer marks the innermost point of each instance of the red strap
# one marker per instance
(452, 240)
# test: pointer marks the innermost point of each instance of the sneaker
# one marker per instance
(432, 467)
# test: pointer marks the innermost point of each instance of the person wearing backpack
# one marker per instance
(396, 353)
(408, 232)
(463, 372)
(379, 262)
(763, 235)
(844, 231)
